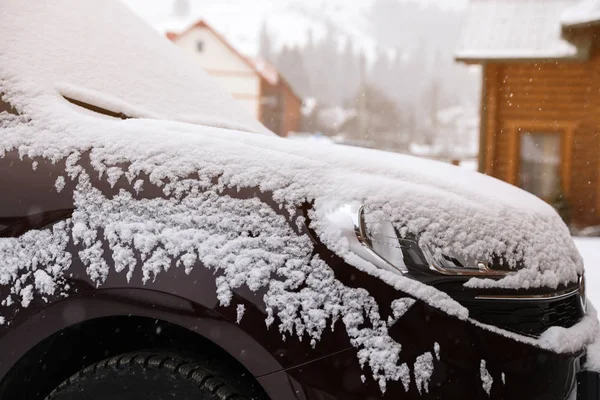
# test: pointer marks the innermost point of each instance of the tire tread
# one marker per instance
(174, 365)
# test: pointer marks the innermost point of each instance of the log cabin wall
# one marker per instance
(291, 117)
(547, 96)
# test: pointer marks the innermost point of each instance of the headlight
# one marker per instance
(582, 297)
(384, 247)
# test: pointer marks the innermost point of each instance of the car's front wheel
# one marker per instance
(149, 376)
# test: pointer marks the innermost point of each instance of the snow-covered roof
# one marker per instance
(265, 69)
(518, 30)
(262, 67)
(584, 13)
(128, 68)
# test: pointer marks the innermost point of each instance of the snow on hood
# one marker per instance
(97, 51)
(456, 210)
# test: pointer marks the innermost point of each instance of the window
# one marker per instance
(200, 46)
(540, 163)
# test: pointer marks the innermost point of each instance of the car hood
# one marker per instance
(453, 209)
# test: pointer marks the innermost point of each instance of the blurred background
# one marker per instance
(370, 73)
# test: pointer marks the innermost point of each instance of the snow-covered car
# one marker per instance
(156, 242)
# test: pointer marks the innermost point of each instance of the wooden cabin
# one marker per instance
(254, 82)
(540, 102)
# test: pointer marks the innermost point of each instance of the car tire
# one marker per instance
(148, 376)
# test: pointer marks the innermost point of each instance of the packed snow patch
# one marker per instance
(569, 340)
(34, 263)
(557, 339)
(486, 379)
(241, 309)
(583, 13)
(423, 370)
(399, 308)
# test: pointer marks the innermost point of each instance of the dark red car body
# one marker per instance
(45, 343)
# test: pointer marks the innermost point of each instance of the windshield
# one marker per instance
(130, 71)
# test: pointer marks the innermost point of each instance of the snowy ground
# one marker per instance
(590, 251)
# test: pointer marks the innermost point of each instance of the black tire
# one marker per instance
(147, 376)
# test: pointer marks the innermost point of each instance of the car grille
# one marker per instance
(527, 317)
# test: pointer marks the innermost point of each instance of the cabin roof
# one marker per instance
(584, 13)
(504, 30)
(260, 66)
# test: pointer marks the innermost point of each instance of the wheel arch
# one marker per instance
(53, 344)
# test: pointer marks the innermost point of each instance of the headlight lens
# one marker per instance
(582, 297)
(383, 246)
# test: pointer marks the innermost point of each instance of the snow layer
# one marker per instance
(240, 310)
(507, 29)
(423, 370)
(22, 260)
(558, 339)
(583, 13)
(399, 308)
(590, 251)
(247, 242)
(486, 378)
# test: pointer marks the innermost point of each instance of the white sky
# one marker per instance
(153, 10)
(290, 20)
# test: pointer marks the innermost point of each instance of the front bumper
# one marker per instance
(588, 385)
(518, 370)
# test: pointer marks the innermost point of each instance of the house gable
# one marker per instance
(215, 55)
(253, 82)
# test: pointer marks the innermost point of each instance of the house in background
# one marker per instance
(540, 107)
(253, 82)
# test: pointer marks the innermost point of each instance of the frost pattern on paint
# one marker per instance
(245, 240)
(486, 378)
(59, 184)
(240, 310)
(423, 370)
(35, 263)
(399, 308)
